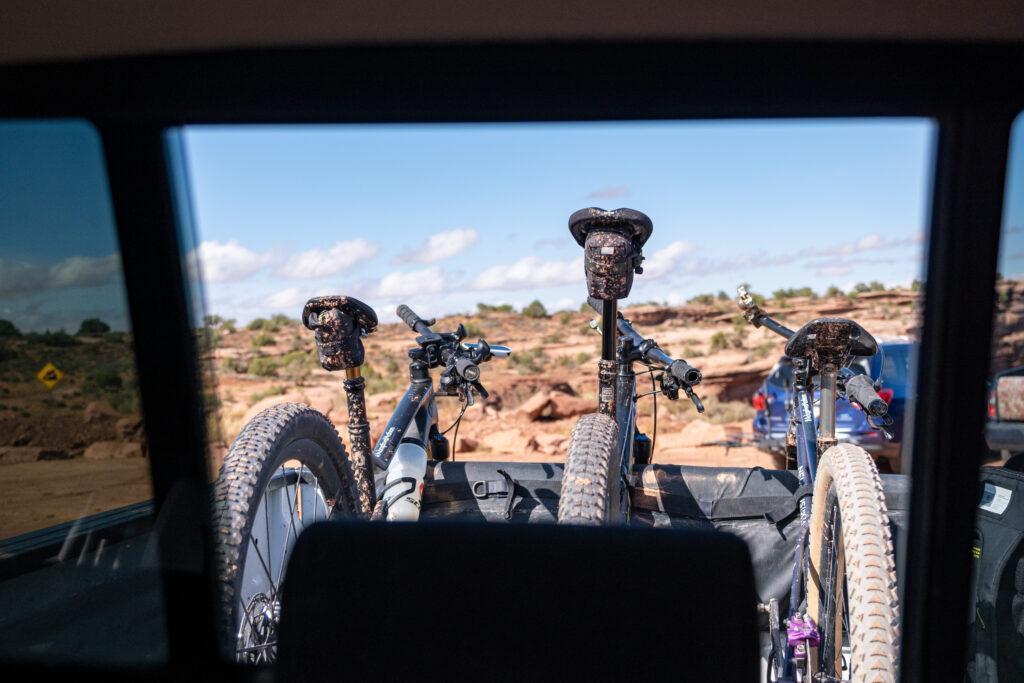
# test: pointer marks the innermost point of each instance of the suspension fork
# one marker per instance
(608, 365)
(359, 438)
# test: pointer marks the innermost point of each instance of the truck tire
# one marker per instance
(851, 551)
(592, 488)
(286, 470)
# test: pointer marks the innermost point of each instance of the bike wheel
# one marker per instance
(286, 470)
(852, 590)
(592, 490)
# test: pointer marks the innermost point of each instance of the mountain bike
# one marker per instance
(844, 609)
(289, 469)
(605, 444)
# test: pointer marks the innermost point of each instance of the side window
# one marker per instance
(996, 613)
(78, 581)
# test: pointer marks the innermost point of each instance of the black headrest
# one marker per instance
(493, 602)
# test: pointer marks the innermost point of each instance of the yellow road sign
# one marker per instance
(49, 375)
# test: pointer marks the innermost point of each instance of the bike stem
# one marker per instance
(359, 437)
(607, 366)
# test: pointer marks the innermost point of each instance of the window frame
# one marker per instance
(972, 91)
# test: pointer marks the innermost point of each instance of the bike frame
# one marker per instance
(415, 419)
(810, 442)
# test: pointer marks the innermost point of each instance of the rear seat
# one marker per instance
(517, 602)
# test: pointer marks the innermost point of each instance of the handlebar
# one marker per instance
(680, 369)
(860, 390)
(415, 323)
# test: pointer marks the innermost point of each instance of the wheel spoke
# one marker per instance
(263, 563)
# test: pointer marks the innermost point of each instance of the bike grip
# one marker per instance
(860, 390)
(467, 369)
(685, 373)
(409, 317)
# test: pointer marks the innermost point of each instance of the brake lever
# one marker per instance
(693, 397)
(886, 421)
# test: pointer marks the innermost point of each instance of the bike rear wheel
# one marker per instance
(286, 470)
(592, 489)
(853, 598)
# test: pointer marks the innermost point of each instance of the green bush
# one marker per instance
(582, 357)
(93, 327)
(60, 338)
(484, 309)
(702, 299)
(535, 309)
(553, 338)
(529, 362)
(262, 324)
(105, 379)
(263, 366)
(792, 292)
(7, 329)
(876, 286)
(262, 340)
(916, 285)
(860, 288)
(833, 291)
(565, 317)
(719, 341)
(473, 330)
(281, 320)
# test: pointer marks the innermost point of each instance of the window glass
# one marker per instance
(76, 580)
(469, 224)
(996, 616)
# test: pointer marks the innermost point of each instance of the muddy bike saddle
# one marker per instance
(339, 323)
(833, 340)
(612, 243)
(634, 224)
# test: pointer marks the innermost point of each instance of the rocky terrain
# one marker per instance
(551, 378)
(79, 447)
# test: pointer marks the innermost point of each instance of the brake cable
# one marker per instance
(455, 425)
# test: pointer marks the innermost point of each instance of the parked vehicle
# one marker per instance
(288, 469)
(891, 365)
(1005, 429)
(605, 444)
(843, 604)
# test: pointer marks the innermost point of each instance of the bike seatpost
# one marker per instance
(827, 421)
(609, 317)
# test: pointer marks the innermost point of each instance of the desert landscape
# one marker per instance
(537, 394)
(79, 448)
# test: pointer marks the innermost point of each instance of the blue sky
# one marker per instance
(444, 216)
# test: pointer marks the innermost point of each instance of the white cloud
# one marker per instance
(225, 262)
(287, 299)
(426, 281)
(530, 272)
(75, 271)
(330, 261)
(664, 261)
(442, 245)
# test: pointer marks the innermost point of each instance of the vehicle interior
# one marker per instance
(130, 590)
